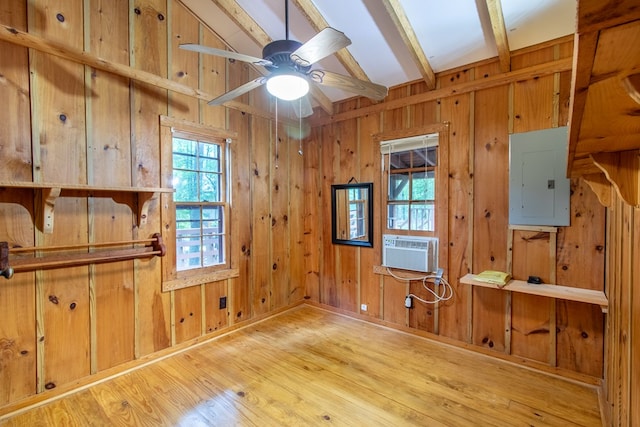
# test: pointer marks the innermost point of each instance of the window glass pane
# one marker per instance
(184, 153)
(400, 160)
(188, 253)
(213, 250)
(399, 186)
(398, 216)
(423, 186)
(209, 187)
(209, 157)
(186, 185)
(188, 218)
(422, 217)
(213, 220)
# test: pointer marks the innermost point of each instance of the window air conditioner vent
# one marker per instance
(410, 252)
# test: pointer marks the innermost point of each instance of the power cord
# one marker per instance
(437, 279)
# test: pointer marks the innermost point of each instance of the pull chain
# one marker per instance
(276, 124)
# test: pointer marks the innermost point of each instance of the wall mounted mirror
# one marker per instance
(352, 214)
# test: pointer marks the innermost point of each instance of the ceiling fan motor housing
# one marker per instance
(279, 53)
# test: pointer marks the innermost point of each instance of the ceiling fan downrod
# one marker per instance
(286, 19)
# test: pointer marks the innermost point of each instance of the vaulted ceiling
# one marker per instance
(393, 41)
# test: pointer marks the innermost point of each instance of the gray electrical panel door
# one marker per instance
(538, 187)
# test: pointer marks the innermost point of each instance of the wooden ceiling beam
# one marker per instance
(317, 21)
(404, 27)
(242, 19)
(494, 8)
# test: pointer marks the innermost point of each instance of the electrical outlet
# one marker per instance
(363, 307)
(223, 303)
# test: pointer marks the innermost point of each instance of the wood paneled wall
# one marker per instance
(552, 333)
(68, 123)
(622, 367)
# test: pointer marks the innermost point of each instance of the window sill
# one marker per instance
(186, 282)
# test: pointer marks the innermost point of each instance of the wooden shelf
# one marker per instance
(546, 290)
(48, 193)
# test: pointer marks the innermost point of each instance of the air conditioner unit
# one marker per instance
(410, 252)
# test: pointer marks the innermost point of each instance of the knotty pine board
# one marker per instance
(188, 313)
(58, 130)
(239, 289)
(313, 233)
(214, 73)
(393, 294)
(424, 113)
(296, 220)
(369, 155)
(190, 304)
(261, 214)
(108, 136)
(279, 280)
(579, 326)
(330, 153)
(183, 65)
(348, 257)
(17, 304)
(491, 207)
(148, 52)
(533, 99)
(455, 316)
(279, 231)
(530, 314)
(18, 360)
(215, 318)
(397, 118)
(16, 149)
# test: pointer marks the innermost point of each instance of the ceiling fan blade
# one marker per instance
(240, 90)
(323, 44)
(302, 107)
(225, 53)
(350, 84)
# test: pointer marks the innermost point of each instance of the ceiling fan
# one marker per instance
(289, 65)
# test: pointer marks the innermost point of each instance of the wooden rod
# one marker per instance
(59, 261)
(31, 263)
(80, 246)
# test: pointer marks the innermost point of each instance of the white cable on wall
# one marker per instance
(445, 295)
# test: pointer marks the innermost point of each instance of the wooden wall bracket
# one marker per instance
(10, 265)
(622, 169)
(48, 194)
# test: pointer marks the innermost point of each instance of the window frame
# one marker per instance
(223, 191)
(172, 278)
(441, 174)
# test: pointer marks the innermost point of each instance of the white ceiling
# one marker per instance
(451, 33)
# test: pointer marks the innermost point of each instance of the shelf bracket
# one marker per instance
(622, 169)
(144, 199)
(47, 200)
(600, 186)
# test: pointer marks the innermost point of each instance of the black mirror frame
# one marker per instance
(369, 206)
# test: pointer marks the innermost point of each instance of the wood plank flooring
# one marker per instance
(308, 366)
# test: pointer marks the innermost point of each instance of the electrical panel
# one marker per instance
(539, 191)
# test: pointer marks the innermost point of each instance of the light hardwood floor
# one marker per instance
(308, 366)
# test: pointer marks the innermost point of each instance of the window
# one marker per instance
(200, 199)
(411, 182)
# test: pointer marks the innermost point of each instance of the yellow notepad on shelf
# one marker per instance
(493, 276)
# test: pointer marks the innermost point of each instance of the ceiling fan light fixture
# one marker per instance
(287, 87)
